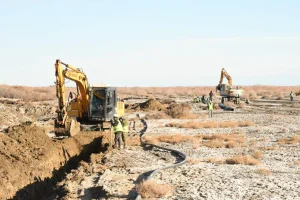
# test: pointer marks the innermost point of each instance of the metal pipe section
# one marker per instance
(228, 108)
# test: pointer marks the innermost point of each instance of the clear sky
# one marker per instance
(151, 43)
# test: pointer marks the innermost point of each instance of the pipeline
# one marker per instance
(155, 171)
(224, 107)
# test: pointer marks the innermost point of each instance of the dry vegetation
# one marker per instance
(292, 140)
(150, 189)
(297, 162)
(263, 171)
(193, 161)
(211, 124)
(252, 92)
(30, 93)
(211, 141)
(241, 160)
(173, 139)
(258, 154)
(48, 93)
(133, 141)
(269, 148)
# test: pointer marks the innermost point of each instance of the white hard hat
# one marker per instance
(115, 115)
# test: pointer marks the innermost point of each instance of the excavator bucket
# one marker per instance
(74, 127)
(71, 128)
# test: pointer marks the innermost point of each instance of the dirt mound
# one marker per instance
(149, 105)
(178, 111)
(152, 104)
(28, 156)
(14, 114)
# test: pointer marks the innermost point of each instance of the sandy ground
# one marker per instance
(122, 170)
(115, 174)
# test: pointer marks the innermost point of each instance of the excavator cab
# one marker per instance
(103, 103)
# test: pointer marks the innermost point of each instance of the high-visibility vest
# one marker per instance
(125, 128)
(118, 127)
(210, 106)
(292, 94)
(125, 125)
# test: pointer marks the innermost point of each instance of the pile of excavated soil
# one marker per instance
(19, 112)
(29, 159)
(149, 105)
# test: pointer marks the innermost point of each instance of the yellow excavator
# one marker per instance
(88, 109)
(226, 90)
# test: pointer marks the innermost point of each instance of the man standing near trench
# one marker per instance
(118, 131)
(210, 109)
(211, 95)
(124, 123)
(292, 96)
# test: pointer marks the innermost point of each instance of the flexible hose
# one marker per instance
(153, 172)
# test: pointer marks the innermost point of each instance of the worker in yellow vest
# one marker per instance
(292, 96)
(124, 123)
(118, 131)
(210, 108)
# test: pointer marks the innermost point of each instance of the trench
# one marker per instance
(42, 189)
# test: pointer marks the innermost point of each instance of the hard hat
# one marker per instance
(115, 115)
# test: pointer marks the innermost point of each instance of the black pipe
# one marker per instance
(180, 154)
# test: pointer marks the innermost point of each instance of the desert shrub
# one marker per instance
(289, 140)
(211, 124)
(30, 93)
(192, 161)
(173, 139)
(211, 141)
(242, 160)
(236, 160)
(223, 140)
(269, 148)
(258, 154)
(263, 171)
(150, 189)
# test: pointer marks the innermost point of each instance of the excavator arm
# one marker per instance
(228, 77)
(64, 71)
(224, 73)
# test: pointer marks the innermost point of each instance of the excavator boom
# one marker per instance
(224, 73)
(82, 84)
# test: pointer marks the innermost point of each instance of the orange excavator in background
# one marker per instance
(226, 90)
(90, 108)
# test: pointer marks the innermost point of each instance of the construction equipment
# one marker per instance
(227, 91)
(90, 108)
